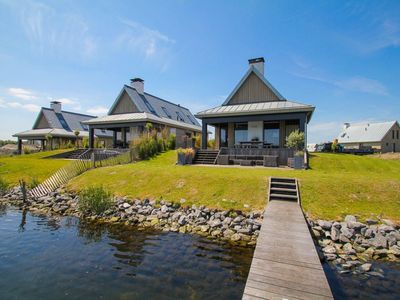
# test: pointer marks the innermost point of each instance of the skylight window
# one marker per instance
(63, 123)
(149, 106)
(84, 126)
(179, 117)
(166, 112)
(191, 119)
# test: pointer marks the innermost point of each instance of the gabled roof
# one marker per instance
(365, 132)
(272, 107)
(141, 117)
(254, 70)
(72, 120)
(151, 105)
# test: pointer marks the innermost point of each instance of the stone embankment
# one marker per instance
(233, 226)
(351, 245)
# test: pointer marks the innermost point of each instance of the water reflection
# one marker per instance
(68, 257)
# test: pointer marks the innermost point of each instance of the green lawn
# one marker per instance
(335, 186)
(29, 166)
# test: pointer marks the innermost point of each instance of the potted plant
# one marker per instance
(295, 141)
(181, 156)
(189, 155)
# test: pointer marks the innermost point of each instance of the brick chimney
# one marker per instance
(258, 63)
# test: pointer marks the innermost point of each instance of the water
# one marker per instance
(349, 286)
(51, 258)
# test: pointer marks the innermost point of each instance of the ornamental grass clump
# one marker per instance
(94, 200)
(4, 186)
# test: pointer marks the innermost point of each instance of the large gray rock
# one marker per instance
(347, 232)
(182, 220)
(350, 218)
(335, 234)
(366, 267)
(324, 224)
(329, 250)
(215, 223)
(379, 241)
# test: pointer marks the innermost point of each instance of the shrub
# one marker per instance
(34, 183)
(85, 142)
(27, 150)
(69, 145)
(171, 142)
(4, 186)
(211, 144)
(295, 140)
(95, 200)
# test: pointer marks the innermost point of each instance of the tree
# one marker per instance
(76, 132)
(49, 139)
(295, 140)
(335, 145)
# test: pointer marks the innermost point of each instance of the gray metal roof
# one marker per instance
(73, 120)
(365, 132)
(141, 117)
(158, 107)
(58, 132)
(255, 108)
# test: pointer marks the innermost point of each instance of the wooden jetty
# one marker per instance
(285, 263)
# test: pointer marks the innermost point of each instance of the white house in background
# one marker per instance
(383, 136)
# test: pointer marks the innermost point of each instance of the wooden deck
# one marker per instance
(285, 263)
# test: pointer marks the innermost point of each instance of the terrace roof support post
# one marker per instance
(114, 140)
(91, 137)
(123, 133)
(19, 146)
(204, 135)
(42, 144)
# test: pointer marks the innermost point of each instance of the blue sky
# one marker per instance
(342, 57)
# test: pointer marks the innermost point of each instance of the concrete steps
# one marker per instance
(206, 157)
(283, 189)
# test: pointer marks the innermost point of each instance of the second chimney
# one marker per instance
(138, 85)
(258, 63)
(56, 106)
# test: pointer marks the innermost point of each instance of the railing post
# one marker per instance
(93, 160)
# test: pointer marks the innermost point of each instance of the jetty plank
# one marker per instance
(285, 263)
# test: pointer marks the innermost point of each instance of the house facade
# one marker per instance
(255, 114)
(55, 128)
(134, 108)
(381, 137)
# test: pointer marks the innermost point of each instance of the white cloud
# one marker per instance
(21, 93)
(50, 31)
(144, 40)
(2, 103)
(98, 110)
(28, 107)
(363, 84)
(354, 83)
(65, 101)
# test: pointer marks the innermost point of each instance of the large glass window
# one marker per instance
(271, 134)
(240, 132)
(224, 135)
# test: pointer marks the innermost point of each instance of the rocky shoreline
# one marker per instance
(351, 246)
(233, 226)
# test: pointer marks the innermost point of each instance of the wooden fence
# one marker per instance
(92, 158)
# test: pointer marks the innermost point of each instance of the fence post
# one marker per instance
(93, 159)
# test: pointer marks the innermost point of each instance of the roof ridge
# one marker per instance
(178, 105)
(69, 112)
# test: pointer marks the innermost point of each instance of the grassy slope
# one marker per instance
(336, 185)
(29, 166)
